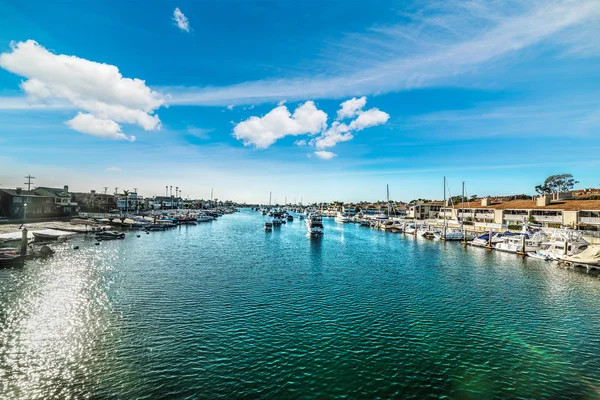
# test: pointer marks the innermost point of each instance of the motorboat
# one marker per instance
(522, 242)
(204, 218)
(589, 257)
(410, 229)
(561, 243)
(427, 234)
(341, 218)
(484, 240)
(110, 235)
(277, 218)
(290, 218)
(315, 225)
(454, 235)
(268, 226)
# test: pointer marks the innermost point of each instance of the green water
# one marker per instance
(226, 310)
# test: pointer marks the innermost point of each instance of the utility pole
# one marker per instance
(28, 183)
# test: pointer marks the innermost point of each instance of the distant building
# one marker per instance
(582, 214)
(95, 202)
(421, 210)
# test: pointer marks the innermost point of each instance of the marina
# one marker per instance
(291, 314)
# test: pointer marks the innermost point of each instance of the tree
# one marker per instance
(126, 194)
(556, 184)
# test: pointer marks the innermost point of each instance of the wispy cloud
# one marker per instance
(324, 155)
(113, 169)
(545, 118)
(200, 133)
(441, 41)
(181, 20)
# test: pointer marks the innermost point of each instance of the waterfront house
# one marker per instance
(19, 204)
(65, 206)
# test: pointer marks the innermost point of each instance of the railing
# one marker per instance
(548, 218)
(590, 220)
(515, 217)
(484, 216)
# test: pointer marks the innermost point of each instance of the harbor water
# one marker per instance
(226, 310)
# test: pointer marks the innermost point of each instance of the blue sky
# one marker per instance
(122, 94)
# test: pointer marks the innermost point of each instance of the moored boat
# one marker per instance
(110, 235)
(51, 235)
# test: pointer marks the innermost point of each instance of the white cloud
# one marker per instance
(440, 41)
(338, 132)
(350, 108)
(278, 123)
(341, 132)
(308, 120)
(325, 155)
(182, 22)
(113, 169)
(369, 118)
(98, 89)
(200, 133)
(102, 128)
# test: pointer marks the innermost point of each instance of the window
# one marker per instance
(17, 199)
(49, 200)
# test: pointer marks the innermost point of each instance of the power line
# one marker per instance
(28, 183)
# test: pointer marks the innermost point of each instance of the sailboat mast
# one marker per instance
(388, 199)
(462, 220)
(444, 208)
(270, 199)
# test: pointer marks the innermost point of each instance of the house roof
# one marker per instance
(60, 192)
(24, 193)
(565, 205)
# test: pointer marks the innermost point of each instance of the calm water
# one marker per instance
(225, 310)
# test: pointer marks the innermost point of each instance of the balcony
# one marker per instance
(590, 220)
(484, 216)
(515, 217)
(548, 218)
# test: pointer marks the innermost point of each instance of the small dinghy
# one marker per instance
(538, 255)
(8, 255)
(51, 235)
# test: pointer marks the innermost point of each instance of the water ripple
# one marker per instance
(224, 310)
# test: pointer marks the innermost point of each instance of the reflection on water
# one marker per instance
(227, 310)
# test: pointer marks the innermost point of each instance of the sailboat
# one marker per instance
(455, 234)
